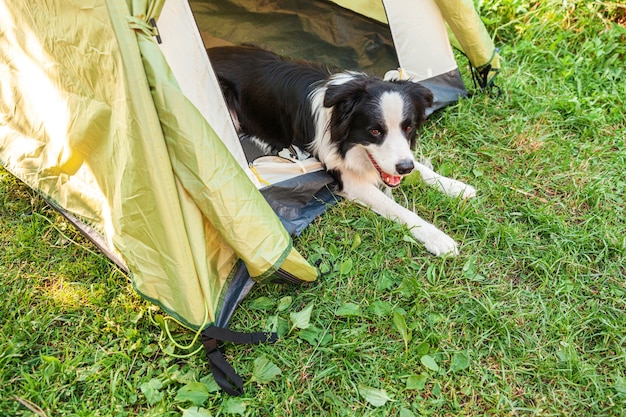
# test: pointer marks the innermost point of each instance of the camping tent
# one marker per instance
(110, 109)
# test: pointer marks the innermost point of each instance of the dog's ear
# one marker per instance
(421, 97)
(337, 93)
(343, 98)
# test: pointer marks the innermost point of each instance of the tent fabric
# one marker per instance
(422, 56)
(426, 56)
(185, 54)
(469, 35)
(318, 31)
(344, 34)
(465, 29)
(92, 117)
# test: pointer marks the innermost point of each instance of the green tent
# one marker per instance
(110, 109)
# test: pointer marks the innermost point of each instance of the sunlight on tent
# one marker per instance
(31, 66)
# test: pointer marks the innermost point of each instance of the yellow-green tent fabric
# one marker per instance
(91, 116)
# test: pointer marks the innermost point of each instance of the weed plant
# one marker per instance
(530, 319)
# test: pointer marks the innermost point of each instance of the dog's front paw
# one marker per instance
(454, 188)
(439, 243)
(467, 192)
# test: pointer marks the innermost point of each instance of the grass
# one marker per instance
(530, 319)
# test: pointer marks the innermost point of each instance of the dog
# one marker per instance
(361, 128)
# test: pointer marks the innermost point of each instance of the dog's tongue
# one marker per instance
(391, 180)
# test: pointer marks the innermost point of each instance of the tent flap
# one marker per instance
(471, 37)
(91, 117)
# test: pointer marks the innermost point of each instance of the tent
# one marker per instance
(110, 110)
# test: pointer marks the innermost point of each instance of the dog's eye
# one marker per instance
(375, 132)
(408, 128)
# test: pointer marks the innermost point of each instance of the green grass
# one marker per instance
(530, 319)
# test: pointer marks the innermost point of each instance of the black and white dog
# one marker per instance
(359, 127)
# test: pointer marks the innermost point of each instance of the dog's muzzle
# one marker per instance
(403, 167)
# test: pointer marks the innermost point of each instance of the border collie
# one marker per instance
(361, 128)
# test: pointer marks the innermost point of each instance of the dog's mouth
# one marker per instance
(389, 180)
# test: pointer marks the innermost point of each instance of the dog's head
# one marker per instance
(379, 119)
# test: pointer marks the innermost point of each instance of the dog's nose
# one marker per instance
(404, 167)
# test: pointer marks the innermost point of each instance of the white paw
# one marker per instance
(437, 242)
(467, 192)
(454, 188)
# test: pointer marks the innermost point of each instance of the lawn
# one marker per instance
(530, 319)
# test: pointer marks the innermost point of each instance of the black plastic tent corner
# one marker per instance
(213, 338)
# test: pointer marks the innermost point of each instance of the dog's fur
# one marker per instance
(361, 128)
